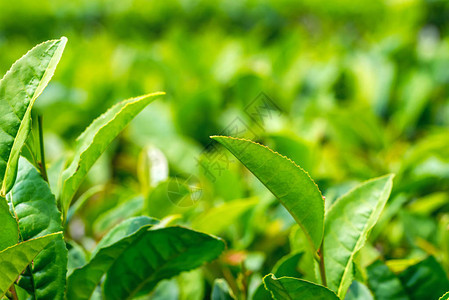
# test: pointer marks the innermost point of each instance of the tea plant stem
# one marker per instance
(12, 289)
(42, 167)
(321, 263)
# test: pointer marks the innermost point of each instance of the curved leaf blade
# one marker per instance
(293, 288)
(286, 180)
(161, 254)
(347, 226)
(19, 88)
(94, 141)
(444, 297)
(15, 259)
(9, 231)
(82, 282)
(38, 215)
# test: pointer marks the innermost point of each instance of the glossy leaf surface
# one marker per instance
(286, 180)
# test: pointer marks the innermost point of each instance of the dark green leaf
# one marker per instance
(38, 215)
(384, 283)
(288, 288)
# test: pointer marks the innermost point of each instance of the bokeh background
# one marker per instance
(360, 89)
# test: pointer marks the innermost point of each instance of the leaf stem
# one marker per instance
(42, 167)
(12, 289)
(322, 265)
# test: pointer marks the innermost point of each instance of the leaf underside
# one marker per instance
(347, 226)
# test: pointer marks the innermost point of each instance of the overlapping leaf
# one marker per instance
(19, 88)
(287, 181)
(83, 280)
(15, 259)
(159, 254)
(347, 226)
(94, 141)
(289, 288)
(38, 215)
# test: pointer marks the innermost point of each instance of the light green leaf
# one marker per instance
(359, 291)
(221, 290)
(38, 215)
(94, 141)
(286, 180)
(15, 259)
(159, 254)
(445, 296)
(347, 226)
(82, 282)
(218, 218)
(19, 88)
(9, 231)
(384, 283)
(293, 288)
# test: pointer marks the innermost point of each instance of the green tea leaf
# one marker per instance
(9, 231)
(15, 259)
(444, 297)
(286, 180)
(19, 88)
(83, 280)
(359, 291)
(293, 288)
(347, 226)
(384, 283)
(94, 141)
(38, 215)
(221, 291)
(159, 254)
(425, 280)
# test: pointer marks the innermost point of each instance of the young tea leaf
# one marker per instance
(94, 141)
(293, 288)
(347, 226)
(286, 180)
(38, 215)
(19, 88)
(15, 259)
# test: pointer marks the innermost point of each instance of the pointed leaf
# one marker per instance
(83, 280)
(289, 288)
(9, 231)
(286, 180)
(15, 259)
(161, 254)
(19, 88)
(38, 215)
(347, 226)
(94, 141)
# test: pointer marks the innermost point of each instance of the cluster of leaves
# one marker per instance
(331, 255)
(134, 256)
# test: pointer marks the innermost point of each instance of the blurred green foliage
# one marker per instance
(361, 90)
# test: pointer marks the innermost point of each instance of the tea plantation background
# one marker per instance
(349, 90)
